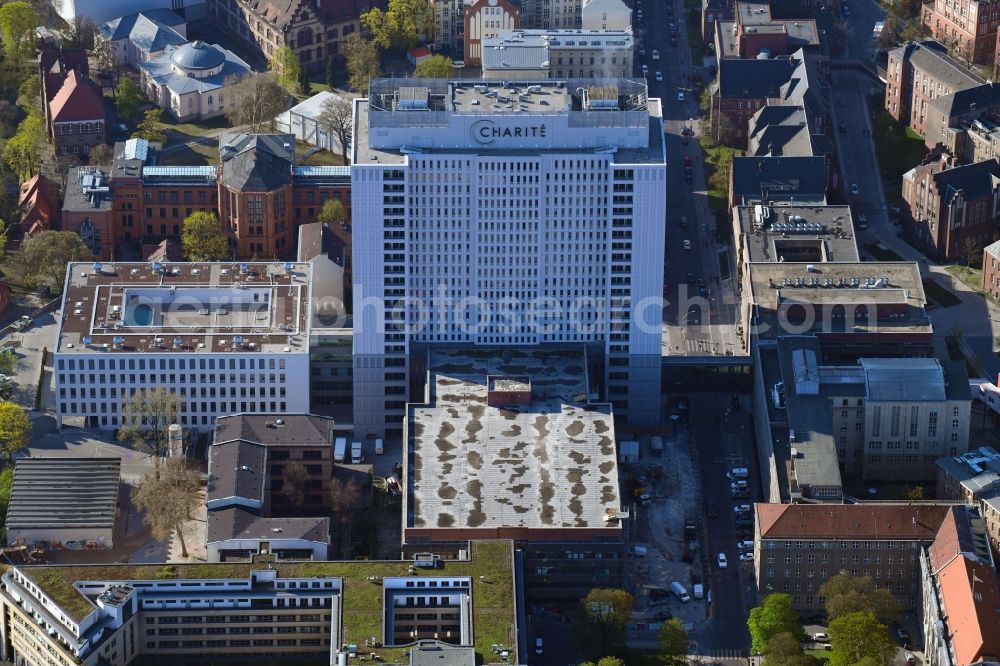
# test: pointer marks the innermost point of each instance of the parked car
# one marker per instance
(687, 244)
(744, 545)
(723, 563)
(659, 75)
(746, 557)
(821, 637)
(904, 636)
(742, 508)
(854, 189)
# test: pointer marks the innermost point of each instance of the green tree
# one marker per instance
(785, 649)
(362, 59)
(860, 636)
(401, 25)
(29, 93)
(772, 617)
(305, 85)
(8, 362)
(147, 415)
(22, 151)
(605, 661)
(286, 67)
(673, 641)
(203, 238)
(601, 619)
(332, 212)
(435, 67)
(15, 428)
(128, 99)
(337, 118)
(167, 499)
(17, 23)
(254, 101)
(846, 594)
(105, 64)
(151, 127)
(43, 257)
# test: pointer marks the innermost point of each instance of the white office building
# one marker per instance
(514, 213)
(226, 337)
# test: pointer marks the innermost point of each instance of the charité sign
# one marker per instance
(487, 131)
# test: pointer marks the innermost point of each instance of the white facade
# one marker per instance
(606, 15)
(211, 385)
(545, 226)
(227, 338)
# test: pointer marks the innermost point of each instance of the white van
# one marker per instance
(680, 592)
(379, 448)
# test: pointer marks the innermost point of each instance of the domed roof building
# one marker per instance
(189, 81)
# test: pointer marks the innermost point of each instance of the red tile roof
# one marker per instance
(39, 203)
(918, 522)
(78, 99)
(968, 592)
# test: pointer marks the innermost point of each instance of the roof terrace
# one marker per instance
(185, 307)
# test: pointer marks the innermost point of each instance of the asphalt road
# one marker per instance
(693, 324)
(724, 441)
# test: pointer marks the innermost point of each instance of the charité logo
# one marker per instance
(487, 131)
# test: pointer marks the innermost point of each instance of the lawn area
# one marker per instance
(882, 253)
(692, 19)
(193, 155)
(940, 295)
(171, 124)
(897, 148)
(822, 656)
(490, 571)
(718, 162)
(973, 277)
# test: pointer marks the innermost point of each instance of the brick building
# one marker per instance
(313, 29)
(38, 202)
(486, 19)
(991, 269)
(264, 196)
(76, 117)
(974, 477)
(953, 211)
(248, 500)
(918, 72)
(967, 27)
(963, 124)
(798, 547)
(961, 624)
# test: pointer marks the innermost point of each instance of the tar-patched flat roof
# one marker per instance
(185, 307)
(549, 464)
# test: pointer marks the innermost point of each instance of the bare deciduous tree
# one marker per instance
(167, 498)
(345, 502)
(336, 118)
(146, 417)
(293, 484)
(255, 101)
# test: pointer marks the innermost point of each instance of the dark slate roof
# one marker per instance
(972, 180)
(754, 79)
(265, 429)
(243, 523)
(977, 97)
(64, 493)
(787, 140)
(779, 178)
(256, 162)
(236, 469)
(933, 58)
(775, 114)
(803, 87)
